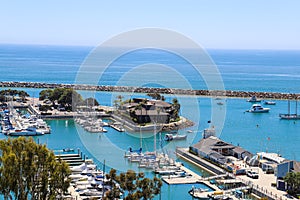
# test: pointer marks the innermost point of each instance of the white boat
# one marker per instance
(117, 126)
(170, 137)
(270, 103)
(199, 193)
(254, 99)
(257, 108)
(17, 132)
(289, 116)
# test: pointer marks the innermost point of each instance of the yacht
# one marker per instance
(170, 137)
(257, 108)
(20, 132)
(254, 99)
(270, 102)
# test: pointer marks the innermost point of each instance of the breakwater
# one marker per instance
(214, 93)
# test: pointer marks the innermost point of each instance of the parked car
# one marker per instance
(252, 174)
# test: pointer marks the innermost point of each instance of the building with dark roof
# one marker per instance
(146, 111)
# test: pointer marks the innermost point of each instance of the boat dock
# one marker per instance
(73, 159)
(193, 178)
(81, 185)
(117, 126)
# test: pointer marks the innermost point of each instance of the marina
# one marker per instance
(15, 124)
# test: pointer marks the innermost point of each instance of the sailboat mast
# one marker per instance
(141, 144)
(289, 109)
(155, 137)
(296, 106)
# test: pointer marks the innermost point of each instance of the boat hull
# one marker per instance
(24, 133)
(289, 116)
(259, 111)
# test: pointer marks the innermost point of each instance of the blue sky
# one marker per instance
(251, 24)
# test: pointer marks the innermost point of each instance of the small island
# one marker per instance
(143, 114)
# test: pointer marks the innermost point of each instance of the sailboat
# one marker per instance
(289, 115)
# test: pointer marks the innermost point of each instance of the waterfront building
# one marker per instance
(146, 111)
(216, 150)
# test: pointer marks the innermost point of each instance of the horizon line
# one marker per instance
(207, 48)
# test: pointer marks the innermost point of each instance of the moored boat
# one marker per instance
(199, 193)
(270, 103)
(170, 137)
(254, 99)
(289, 115)
(15, 132)
(257, 108)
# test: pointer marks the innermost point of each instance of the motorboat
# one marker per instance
(254, 99)
(270, 103)
(257, 108)
(199, 193)
(170, 137)
(18, 132)
(68, 150)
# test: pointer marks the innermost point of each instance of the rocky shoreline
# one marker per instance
(225, 93)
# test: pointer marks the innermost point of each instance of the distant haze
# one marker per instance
(213, 24)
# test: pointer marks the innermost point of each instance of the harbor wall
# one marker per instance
(215, 93)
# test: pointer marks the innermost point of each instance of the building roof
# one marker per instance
(160, 103)
(271, 156)
(212, 144)
(204, 145)
(238, 150)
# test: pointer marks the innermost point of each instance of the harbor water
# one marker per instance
(275, 71)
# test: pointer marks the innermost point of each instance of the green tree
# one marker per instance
(30, 171)
(23, 94)
(56, 94)
(155, 95)
(67, 97)
(10, 92)
(176, 109)
(90, 102)
(133, 186)
(293, 181)
(45, 94)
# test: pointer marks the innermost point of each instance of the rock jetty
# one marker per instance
(214, 93)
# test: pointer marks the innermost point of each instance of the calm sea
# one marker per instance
(248, 70)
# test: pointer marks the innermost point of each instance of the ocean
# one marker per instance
(243, 70)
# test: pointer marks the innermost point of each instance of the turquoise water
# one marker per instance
(276, 71)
